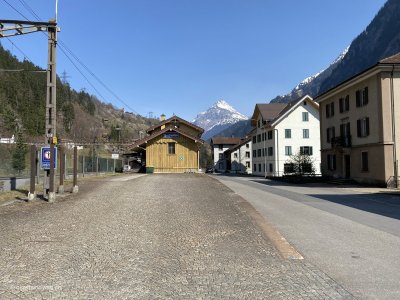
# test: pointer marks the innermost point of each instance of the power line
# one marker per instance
(62, 44)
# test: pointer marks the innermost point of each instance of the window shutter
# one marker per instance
(358, 98)
(358, 128)
(341, 105)
(328, 135)
(366, 95)
(367, 126)
(332, 108)
(327, 110)
(342, 132)
(348, 129)
(311, 153)
(333, 132)
(347, 103)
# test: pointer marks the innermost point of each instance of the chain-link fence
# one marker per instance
(91, 161)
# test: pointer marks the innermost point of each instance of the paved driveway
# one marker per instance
(149, 237)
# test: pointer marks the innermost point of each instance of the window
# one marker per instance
(259, 167)
(247, 164)
(306, 133)
(345, 129)
(362, 97)
(258, 138)
(331, 162)
(247, 154)
(344, 104)
(271, 168)
(288, 150)
(247, 145)
(254, 153)
(221, 147)
(263, 152)
(259, 123)
(264, 136)
(259, 152)
(330, 109)
(288, 133)
(270, 134)
(221, 156)
(330, 134)
(363, 127)
(270, 151)
(255, 168)
(305, 116)
(364, 161)
(235, 155)
(306, 150)
(171, 148)
(254, 139)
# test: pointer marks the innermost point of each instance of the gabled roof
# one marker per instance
(292, 106)
(268, 111)
(225, 141)
(172, 120)
(170, 128)
(273, 113)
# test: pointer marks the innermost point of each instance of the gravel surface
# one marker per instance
(150, 237)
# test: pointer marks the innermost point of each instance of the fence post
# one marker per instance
(75, 175)
(62, 170)
(32, 190)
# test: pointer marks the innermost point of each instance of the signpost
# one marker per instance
(45, 158)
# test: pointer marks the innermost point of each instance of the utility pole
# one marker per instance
(10, 28)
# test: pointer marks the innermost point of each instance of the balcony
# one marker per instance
(341, 142)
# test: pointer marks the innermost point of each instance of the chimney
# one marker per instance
(162, 117)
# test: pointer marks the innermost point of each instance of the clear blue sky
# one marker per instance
(181, 56)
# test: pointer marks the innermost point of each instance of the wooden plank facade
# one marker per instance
(172, 146)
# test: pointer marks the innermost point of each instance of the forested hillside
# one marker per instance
(80, 116)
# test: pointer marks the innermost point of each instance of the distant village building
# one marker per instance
(360, 126)
(239, 157)
(7, 140)
(219, 145)
(281, 131)
(172, 146)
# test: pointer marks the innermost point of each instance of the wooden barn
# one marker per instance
(172, 146)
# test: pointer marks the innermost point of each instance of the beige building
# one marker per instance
(172, 146)
(360, 123)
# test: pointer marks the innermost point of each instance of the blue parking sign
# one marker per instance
(45, 158)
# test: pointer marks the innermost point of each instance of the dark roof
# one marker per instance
(242, 142)
(225, 141)
(160, 132)
(270, 111)
(178, 119)
(394, 59)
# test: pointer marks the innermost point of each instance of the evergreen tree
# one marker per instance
(18, 159)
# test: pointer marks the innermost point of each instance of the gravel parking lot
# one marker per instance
(149, 237)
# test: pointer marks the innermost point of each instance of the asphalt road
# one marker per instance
(151, 237)
(353, 234)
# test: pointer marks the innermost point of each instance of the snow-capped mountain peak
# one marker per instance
(221, 113)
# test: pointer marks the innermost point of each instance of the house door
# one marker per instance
(347, 166)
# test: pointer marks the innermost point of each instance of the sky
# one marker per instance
(154, 57)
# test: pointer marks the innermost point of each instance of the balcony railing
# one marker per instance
(341, 141)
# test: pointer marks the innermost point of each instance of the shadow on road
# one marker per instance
(378, 203)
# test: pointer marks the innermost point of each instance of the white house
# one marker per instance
(282, 130)
(240, 157)
(219, 145)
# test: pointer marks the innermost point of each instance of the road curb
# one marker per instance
(286, 250)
